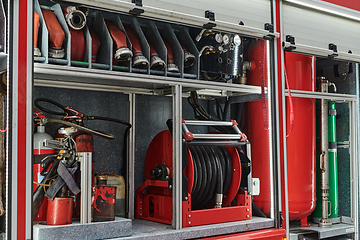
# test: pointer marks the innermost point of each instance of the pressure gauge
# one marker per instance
(226, 39)
(237, 40)
(218, 38)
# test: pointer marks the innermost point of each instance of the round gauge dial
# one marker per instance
(218, 38)
(237, 40)
(226, 39)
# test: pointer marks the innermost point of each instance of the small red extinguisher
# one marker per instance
(40, 153)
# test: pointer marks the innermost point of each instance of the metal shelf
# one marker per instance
(319, 95)
(319, 232)
(172, 16)
(48, 75)
(142, 229)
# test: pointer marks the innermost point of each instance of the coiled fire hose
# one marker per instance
(139, 61)
(189, 58)
(156, 63)
(122, 52)
(56, 34)
(212, 175)
(171, 67)
(37, 52)
(95, 45)
(77, 45)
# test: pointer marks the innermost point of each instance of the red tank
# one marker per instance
(301, 142)
(255, 126)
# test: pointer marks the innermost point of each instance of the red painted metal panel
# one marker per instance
(278, 29)
(21, 131)
(268, 234)
(352, 4)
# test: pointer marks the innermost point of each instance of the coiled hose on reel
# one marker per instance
(212, 175)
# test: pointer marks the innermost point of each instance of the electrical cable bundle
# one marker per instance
(212, 175)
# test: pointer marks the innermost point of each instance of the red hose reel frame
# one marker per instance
(156, 204)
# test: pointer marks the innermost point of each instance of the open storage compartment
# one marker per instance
(201, 187)
(326, 94)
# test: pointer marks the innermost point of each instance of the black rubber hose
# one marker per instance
(208, 179)
(195, 172)
(209, 199)
(226, 179)
(228, 168)
(198, 177)
(219, 177)
(64, 110)
(198, 199)
(203, 178)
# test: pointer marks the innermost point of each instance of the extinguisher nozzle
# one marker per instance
(156, 63)
(140, 62)
(172, 68)
(123, 54)
(189, 59)
(56, 52)
(37, 52)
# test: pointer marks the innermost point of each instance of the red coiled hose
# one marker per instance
(56, 34)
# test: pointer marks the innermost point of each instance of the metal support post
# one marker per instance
(20, 122)
(85, 201)
(177, 157)
(131, 158)
(324, 158)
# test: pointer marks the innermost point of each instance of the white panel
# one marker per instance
(318, 29)
(254, 13)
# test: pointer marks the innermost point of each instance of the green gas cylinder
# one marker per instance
(333, 176)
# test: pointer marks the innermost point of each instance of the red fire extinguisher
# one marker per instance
(40, 152)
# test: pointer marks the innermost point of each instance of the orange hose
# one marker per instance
(56, 33)
(134, 39)
(36, 28)
(118, 35)
(170, 55)
(95, 45)
(77, 45)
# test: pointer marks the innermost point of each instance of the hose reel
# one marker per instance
(211, 179)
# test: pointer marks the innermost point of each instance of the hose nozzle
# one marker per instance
(218, 200)
(75, 18)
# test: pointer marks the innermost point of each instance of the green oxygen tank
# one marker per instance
(333, 176)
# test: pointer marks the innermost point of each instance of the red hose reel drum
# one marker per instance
(160, 152)
(56, 34)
